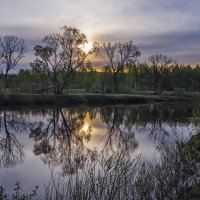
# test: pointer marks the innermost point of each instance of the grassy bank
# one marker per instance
(73, 99)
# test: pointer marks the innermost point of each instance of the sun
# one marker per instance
(87, 47)
(85, 128)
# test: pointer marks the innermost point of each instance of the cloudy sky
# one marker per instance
(170, 27)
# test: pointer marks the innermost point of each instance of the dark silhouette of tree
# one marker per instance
(12, 49)
(159, 63)
(60, 55)
(118, 57)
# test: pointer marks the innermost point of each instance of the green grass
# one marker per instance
(90, 98)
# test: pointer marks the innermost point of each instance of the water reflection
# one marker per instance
(70, 139)
(59, 140)
(65, 137)
(11, 152)
(120, 136)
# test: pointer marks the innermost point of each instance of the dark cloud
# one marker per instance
(182, 46)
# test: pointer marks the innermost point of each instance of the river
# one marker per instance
(34, 140)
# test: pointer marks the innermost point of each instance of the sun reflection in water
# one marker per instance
(86, 131)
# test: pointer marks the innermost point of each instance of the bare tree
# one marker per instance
(12, 49)
(61, 55)
(118, 57)
(159, 62)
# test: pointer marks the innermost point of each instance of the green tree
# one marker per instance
(35, 81)
(60, 55)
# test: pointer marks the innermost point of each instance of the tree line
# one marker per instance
(62, 63)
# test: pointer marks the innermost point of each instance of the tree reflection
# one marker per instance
(119, 137)
(162, 122)
(156, 129)
(59, 141)
(61, 136)
(11, 152)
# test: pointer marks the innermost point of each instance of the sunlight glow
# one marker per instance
(87, 47)
(85, 128)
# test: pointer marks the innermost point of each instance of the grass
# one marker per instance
(93, 98)
(36, 99)
(175, 175)
(18, 194)
(70, 99)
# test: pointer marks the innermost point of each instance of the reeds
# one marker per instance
(174, 175)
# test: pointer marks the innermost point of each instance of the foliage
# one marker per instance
(180, 79)
(174, 176)
(192, 148)
(61, 55)
(18, 193)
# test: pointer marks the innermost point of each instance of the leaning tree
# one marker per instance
(118, 57)
(60, 55)
(12, 49)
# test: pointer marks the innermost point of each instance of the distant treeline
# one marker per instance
(137, 77)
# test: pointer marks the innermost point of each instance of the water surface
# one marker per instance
(33, 141)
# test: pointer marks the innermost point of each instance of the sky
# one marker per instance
(170, 27)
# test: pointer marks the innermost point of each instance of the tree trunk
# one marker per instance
(56, 86)
(155, 85)
(55, 89)
(156, 81)
(5, 82)
(115, 82)
(58, 89)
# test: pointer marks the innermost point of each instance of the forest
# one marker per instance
(138, 77)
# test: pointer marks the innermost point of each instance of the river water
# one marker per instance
(35, 140)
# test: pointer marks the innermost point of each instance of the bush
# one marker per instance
(174, 176)
(17, 194)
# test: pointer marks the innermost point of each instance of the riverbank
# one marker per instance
(99, 99)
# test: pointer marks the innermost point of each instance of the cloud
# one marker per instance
(169, 27)
(182, 46)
